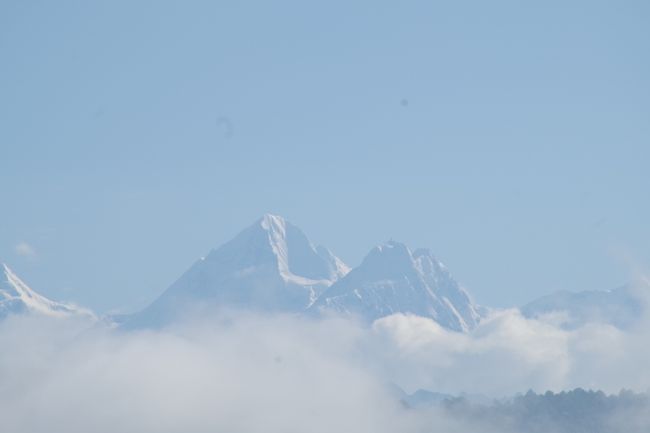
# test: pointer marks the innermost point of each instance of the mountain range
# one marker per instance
(272, 267)
(622, 307)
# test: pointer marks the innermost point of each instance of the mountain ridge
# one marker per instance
(393, 279)
(16, 297)
(272, 266)
(622, 307)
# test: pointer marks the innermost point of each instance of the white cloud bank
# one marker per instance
(508, 354)
(247, 373)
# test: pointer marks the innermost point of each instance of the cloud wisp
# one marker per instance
(23, 249)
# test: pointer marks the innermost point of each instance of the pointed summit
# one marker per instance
(393, 279)
(273, 241)
(16, 297)
(270, 221)
(390, 259)
(269, 266)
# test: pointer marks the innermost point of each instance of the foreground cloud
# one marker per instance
(508, 353)
(246, 375)
(250, 373)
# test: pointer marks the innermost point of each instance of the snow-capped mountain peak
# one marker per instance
(390, 257)
(16, 297)
(273, 241)
(276, 229)
(269, 266)
(298, 260)
(393, 279)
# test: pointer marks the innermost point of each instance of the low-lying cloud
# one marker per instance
(252, 373)
(247, 374)
(508, 353)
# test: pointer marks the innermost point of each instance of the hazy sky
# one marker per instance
(511, 138)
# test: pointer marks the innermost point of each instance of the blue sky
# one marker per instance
(511, 138)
